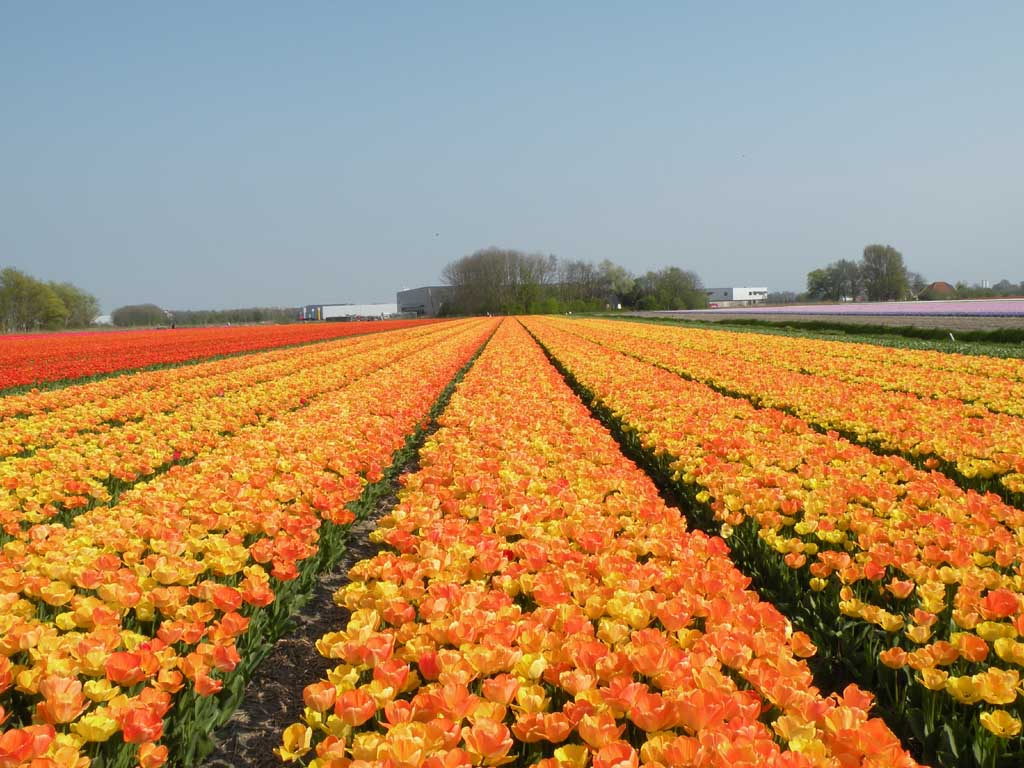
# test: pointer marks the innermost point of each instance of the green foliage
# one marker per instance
(838, 281)
(139, 314)
(499, 281)
(880, 275)
(669, 288)
(246, 316)
(82, 307)
(27, 304)
(884, 274)
(1003, 288)
(503, 281)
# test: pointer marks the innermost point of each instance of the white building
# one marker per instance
(347, 311)
(736, 296)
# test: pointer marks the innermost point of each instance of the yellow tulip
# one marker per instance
(296, 742)
(1001, 723)
(95, 726)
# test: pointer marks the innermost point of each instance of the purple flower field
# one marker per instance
(961, 308)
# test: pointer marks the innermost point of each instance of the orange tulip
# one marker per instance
(599, 728)
(652, 712)
(140, 724)
(616, 754)
(1000, 604)
(354, 707)
(152, 755)
(19, 745)
(207, 686)
(320, 696)
(501, 688)
(125, 668)
(488, 743)
(63, 699)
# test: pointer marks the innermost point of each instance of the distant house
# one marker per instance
(736, 296)
(937, 290)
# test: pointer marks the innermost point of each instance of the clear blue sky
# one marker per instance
(236, 154)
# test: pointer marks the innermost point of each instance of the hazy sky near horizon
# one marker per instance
(230, 154)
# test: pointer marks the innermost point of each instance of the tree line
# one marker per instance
(136, 315)
(508, 281)
(880, 275)
(1004, 287)
(28, 304)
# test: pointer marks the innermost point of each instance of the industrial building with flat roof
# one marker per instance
(424, 302)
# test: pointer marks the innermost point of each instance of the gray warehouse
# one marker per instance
(424, 302)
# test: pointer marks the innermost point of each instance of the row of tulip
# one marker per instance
(981, 448)
(995, 383)
(126, 636)
(38, 358)
(92, 467)
(40, 419)
(49, 417)
(537, 603)
(924, 579)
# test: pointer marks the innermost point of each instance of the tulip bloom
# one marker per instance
(63, 699)
(320, 696)
(1001, 723)
(140, 724)
(354, 707)
(297, 739)
(488, 743)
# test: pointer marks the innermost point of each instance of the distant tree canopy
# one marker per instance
(839, 280)
(1003, 287)
(880, 275)
(499, 280)
(670, 288)
(507, 281)
(139, 314)
(884, 274)
(235, 316)
(135, 315)
(28, 304)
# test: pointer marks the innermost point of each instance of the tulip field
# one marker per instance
(620, 544)
(35, 359)
(139, 586)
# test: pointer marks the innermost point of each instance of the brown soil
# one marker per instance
(273, 698)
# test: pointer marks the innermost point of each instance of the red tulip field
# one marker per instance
(614, 545)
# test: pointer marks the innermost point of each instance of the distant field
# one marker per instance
(966, 315)
(37, 358)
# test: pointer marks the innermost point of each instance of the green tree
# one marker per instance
(819, 284)
(138, 314)
(616, 281)
(838, 281)
(82, 307)
(499, 280)
(26, 304)
(884, 274)
(51, 312)
(670, 288)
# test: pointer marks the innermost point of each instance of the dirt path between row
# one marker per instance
(273, 698)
